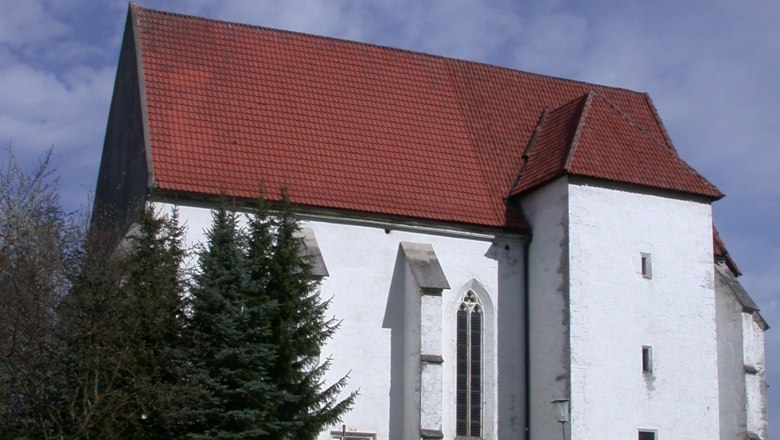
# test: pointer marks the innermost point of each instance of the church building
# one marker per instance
(493, 240)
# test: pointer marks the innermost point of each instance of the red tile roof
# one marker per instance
(591, 136)
(232, 108)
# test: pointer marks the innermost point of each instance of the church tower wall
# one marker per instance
(642, 314)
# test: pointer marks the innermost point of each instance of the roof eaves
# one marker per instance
(194, 198)
(640, 188)
(742, 296)
(720, 251)
(761, 321)
(542, 182)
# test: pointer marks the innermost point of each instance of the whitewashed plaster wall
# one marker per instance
(614, 311)
(755, 382)
(731, 366)
(547, 212)
(366, 285)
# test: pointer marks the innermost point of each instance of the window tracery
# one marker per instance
(469, 367)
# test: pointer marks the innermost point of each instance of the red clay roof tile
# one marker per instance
(352, 126)
(591, 136)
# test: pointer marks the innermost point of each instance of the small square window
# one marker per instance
(647, 266)
(647, 359)
(648, 435)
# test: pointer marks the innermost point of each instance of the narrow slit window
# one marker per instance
(647, 435)
(647, 359)
(647, 266)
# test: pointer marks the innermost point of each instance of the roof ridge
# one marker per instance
(580, 126)
(631, 121)
(394, 49)
(660, 124)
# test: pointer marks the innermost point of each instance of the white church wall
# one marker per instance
(755, 379)
(510, 329)
(546, 211)
(731, 368)
(615, 310)
(411, 319)
(366, 286)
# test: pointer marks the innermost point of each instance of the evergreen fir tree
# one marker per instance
(299, 329)
(120, 337)
(229, 328)
(155, 287)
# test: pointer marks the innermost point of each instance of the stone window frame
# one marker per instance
(472, 311)
(488, 391)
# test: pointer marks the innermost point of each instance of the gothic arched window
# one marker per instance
(469, 368)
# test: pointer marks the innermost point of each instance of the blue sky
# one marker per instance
(712, 68)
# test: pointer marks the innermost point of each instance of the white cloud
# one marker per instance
(561, 33)
(38, 109)
(23, 23)
(302, 15)
(467, 29)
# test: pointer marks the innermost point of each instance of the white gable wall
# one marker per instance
(615, 311)
(367, 284)
(592, 311)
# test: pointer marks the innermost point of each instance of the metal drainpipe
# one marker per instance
(527, 337)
